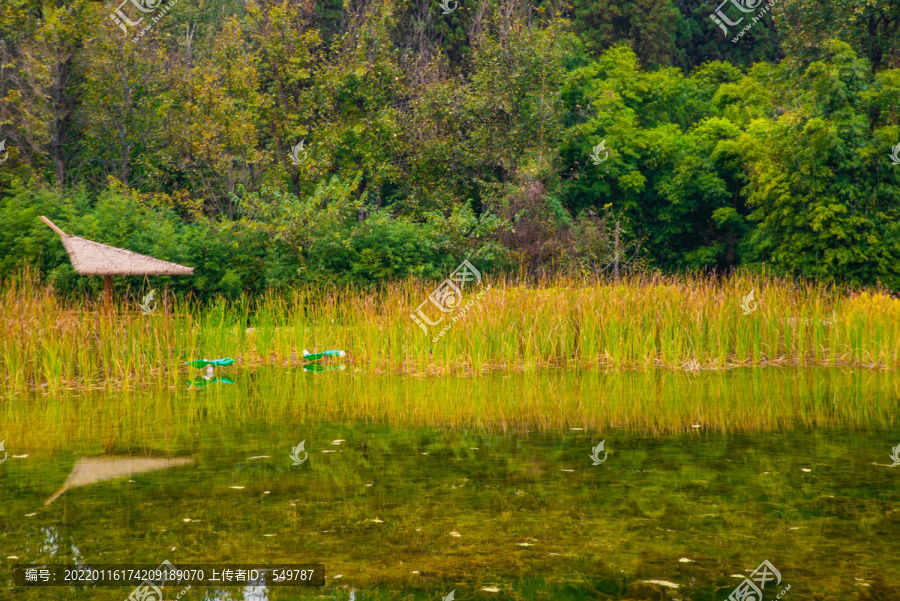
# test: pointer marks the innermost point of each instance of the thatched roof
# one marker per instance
(93, 258)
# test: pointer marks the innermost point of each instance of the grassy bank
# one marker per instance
(642, 322)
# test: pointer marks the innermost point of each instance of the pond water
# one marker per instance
(413, 487)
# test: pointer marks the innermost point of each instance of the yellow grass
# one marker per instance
(642, 322)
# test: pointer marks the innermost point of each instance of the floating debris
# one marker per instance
(316, 356)
(200, 363)
(663, 583)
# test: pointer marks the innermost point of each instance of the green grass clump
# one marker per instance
(641, 322)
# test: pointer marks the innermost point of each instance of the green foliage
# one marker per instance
(430, 138)
(871, 27)
(826, 199)
(696, 161)
(663, 176)
(278, 241)
(647, 26)
(667, 33)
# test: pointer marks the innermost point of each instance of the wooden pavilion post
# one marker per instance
(107, 291)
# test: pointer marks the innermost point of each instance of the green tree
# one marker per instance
(825, 196)
(871, 27)
(647, 26)
(664, 176)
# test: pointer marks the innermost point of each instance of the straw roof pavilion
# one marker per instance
(93, 258)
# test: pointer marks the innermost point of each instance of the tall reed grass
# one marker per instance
(641, 322)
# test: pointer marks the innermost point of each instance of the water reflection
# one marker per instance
(50, 545)
(481, 484)
(248, 593)
(89, 470)
(317, 367)
(202, 381)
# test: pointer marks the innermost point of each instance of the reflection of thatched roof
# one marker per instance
(97, 469)
(93, 258)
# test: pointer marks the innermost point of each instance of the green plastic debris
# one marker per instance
(200, 363)
(317, 356)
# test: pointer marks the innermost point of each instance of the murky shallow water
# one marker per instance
(410, 488)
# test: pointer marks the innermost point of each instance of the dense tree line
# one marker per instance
(430, 137)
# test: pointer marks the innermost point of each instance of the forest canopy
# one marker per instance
(274, 142)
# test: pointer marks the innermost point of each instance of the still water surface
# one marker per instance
(413, 487)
